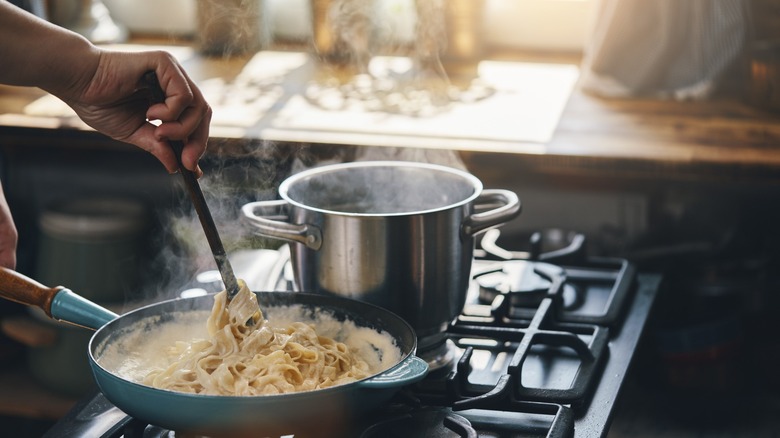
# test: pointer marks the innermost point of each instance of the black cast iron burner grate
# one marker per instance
(593, 292)
(514, 419)
(539, 342)
(521, 343)
(502, 334)
(507, 343)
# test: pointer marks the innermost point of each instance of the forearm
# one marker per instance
(36, 53)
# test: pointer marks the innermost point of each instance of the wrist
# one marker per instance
(71, 68)
(42, 54)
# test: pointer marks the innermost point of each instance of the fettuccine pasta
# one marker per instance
(246, 355)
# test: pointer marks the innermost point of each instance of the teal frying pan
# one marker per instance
(331, 409)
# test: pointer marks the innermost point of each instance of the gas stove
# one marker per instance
(542, 348)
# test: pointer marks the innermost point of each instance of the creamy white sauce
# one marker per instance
(143, 345)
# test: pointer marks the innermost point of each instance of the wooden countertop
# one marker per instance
(523, 111)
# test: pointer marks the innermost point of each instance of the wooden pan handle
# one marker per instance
(22, 289)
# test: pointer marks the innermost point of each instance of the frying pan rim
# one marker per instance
(236, 398)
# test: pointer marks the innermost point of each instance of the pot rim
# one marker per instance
(290, 181)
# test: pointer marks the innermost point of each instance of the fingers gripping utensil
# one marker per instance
(191, 182)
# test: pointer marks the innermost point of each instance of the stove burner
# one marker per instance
(440, 355)
(526, 282)
(424, 423)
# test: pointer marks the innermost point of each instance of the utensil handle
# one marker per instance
(199, 201)
(208, 225)
(24, 290)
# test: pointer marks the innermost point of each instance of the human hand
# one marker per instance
(115, 101)
(105, 87)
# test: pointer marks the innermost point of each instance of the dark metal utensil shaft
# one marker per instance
(191, 182)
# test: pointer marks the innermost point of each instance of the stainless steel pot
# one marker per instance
(395, 234)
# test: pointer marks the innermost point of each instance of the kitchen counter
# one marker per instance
(522, 113)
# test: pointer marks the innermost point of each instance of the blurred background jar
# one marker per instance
(344, 31)
(450, 33)
(763, 84)
(89, 18)
(93, 246)
(231, 27)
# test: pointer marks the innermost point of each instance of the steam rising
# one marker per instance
(182, 251)
(382, 190)
(415, 84)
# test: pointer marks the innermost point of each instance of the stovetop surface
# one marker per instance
(542, 348)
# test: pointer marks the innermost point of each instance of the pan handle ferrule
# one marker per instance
(74, 309)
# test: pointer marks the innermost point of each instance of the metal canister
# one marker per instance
(231, 27)
(764, 76)
(343, 31)
(451, 32)
(92, 245)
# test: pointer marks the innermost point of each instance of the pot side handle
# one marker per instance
(58, 302)
(411, 370)
(509, 208)
(268, 218)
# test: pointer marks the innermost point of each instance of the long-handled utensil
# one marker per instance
(191, 182)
